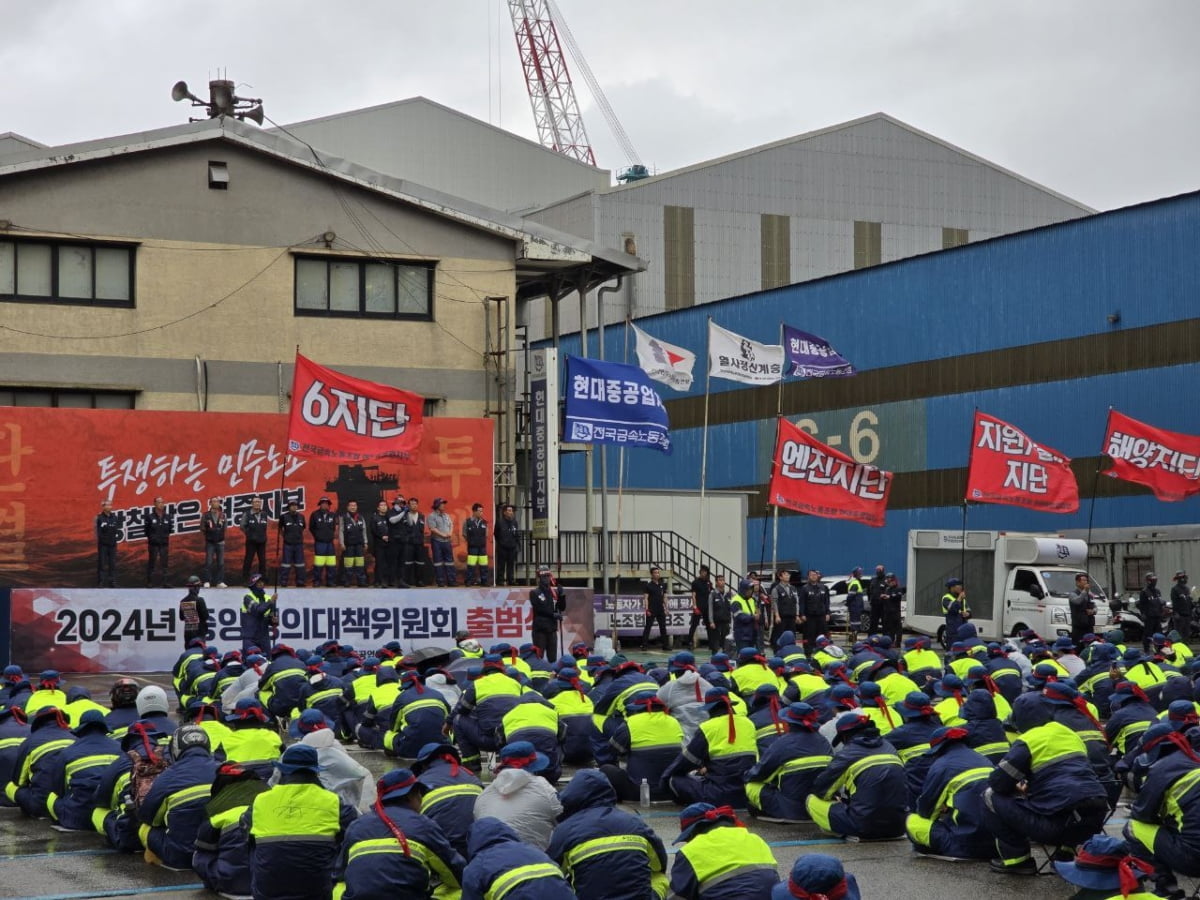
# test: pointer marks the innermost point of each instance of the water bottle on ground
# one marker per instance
(644, 794)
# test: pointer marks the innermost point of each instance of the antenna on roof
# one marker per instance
(222, 101)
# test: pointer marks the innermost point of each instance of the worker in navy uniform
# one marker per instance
(744, 606)
(14, 728)
(1164, 819)
(1182, 607)
(222, 859)
(548, 602)
(158, 525)
(75, 772)
(606, 853)
(701, 610)
(173, 810)
(504, 866)
(30, 784)
(720, 859)
(854, 602)
(891, 599)
(414, 544)
(1150, 607)
(722, 614)
(352, 535)
(947, 819)
(323, 525)
(954, 608)
(1043, 790)
(398, 528)
(814, 607)
(875, 588)
(392, 850)
(450, 791)
(259, 614)
(1105, 867)
(296, 831)
(193, 612)
(818, 875)
(381, 546)
(721, 752)
(292, 524)
(108, 532)
(779, 783)
(654, 603)
(861, 793)
(475, 532)
(508, 545)
(253, 523)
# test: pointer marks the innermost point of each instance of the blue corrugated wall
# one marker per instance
(1053, 283)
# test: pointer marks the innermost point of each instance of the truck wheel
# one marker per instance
(1017, 629)
(865, 623)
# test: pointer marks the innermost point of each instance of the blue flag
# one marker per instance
(612, 403)
(810, 356)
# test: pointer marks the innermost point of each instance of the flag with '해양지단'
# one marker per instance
(664, 362)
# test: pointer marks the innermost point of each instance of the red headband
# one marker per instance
(1128, 868)
(712, 815)
(837, 892)
(952, 734)
(252, 712)
(518, 762)
(384, 791)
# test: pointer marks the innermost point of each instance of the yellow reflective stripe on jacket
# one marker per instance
(1172, 801)
(946, 799)
(520, 875)
(327, 694)
(847, 779)
(227, 817)
(295, 812)
(613, 844)
(768, 730)
(36, 754)
(179, 798)
(798, 765)
(496, 684)
(416, 851)
(420, 704)
(5, 743)
(530, 715)
(88, 762)
(914, 751)
(1000, 747)
(447, 792)
(1129, 731)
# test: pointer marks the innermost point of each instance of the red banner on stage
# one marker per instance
(1007, 467)
(1167, 462)
(813, 478)
(57, 465)
(335, 416)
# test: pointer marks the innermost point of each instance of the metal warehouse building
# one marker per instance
(1045, 328)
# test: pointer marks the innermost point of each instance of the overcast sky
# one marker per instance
(1094, 98)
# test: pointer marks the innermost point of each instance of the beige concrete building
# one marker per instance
(181, 268)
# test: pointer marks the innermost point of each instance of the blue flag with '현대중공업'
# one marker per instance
(613, 403)
(809, 356)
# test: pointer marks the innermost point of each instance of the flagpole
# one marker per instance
(775, 512)
(962, 565)
(704, 438)
(1096, 486)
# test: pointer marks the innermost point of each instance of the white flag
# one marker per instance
(737, 358)
(664, 362)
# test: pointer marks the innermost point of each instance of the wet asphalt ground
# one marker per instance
(39, 863)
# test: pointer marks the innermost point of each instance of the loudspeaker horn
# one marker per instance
(254, 114)
(180, 92)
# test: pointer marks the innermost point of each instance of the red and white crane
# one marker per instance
(537, 25)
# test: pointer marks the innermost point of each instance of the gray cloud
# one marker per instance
(1090, 97)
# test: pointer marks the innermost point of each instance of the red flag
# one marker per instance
(813, 478)
(1167, 462)
(1007, 467)
(335, 416)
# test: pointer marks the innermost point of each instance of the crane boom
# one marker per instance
(551, 93)
(614, 124)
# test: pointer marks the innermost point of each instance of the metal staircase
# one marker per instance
(630, 555)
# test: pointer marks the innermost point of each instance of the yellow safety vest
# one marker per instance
(744, 743)
(725, 851)
(530, 715)
(495, 684)
(287, 812)
(653, 730)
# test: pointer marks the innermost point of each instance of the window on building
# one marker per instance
(954, 237)
(66, 272)
(1136, 570)
(679, 256)
(66, 398)
(377, 289)
(868, 244)
(776, 250)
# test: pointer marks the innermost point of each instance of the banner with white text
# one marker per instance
(57, 465)
(140, 631)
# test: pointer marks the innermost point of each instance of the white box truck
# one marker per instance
(1013, 581)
